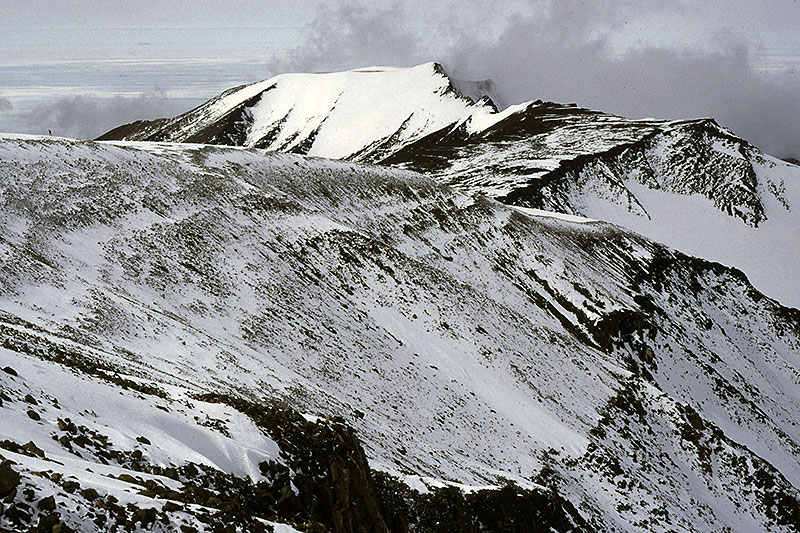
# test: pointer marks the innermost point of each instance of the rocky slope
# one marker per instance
(168, 311)
(690, 184)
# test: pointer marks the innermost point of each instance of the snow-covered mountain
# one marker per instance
(169, 309)
(342, 115)
(690, 184)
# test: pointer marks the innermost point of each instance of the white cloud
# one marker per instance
(88, 116)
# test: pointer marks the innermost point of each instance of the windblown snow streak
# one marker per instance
(464, 340)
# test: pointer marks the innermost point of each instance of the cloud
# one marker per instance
(5, 105)
(562, 61)
(88, 116)
(602, 54)
(348, 35)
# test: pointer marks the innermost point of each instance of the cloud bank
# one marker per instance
(87, 116)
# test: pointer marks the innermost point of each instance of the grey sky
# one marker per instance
(737, 61)
(86, 14)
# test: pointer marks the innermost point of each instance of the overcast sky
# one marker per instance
(82, 66)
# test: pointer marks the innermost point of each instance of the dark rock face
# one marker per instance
(47, 504)
(332, 476)
(9, 479)
(145, 517)
(507, 509)
(50, 523)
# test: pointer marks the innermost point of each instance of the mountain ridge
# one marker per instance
(576, 356)
(553, 157)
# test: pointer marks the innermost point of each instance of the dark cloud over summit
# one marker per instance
(600, 54)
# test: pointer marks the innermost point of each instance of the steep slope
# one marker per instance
(690, 184)
(465, 341)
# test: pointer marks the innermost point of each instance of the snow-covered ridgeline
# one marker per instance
(691, 184)
(463, 339)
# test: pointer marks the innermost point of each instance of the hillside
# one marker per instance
(690, 184)
(207, 318)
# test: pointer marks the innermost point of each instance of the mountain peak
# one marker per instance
(380, 108)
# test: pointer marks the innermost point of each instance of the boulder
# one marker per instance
(9, 479)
